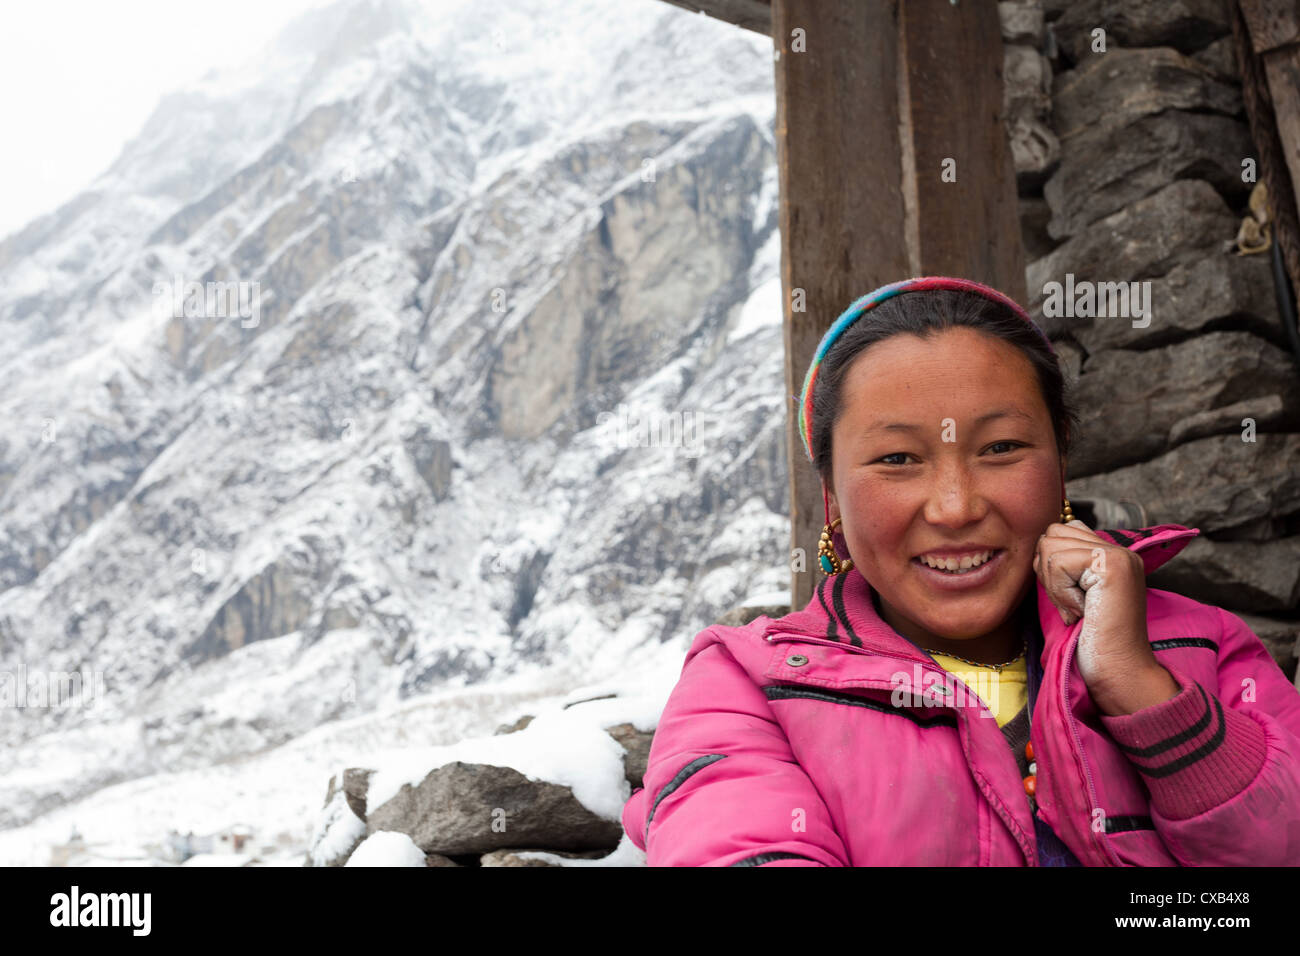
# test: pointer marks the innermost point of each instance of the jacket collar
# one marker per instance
(842, 608)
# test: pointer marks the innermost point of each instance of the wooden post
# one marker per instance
(874, 100)
(753, 15)
(1273, 28)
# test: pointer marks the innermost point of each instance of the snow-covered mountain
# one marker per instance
(506, 415)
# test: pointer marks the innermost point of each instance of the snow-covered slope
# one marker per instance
(491, 243)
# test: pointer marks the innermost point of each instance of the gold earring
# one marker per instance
(1067, 515)
(826, 556)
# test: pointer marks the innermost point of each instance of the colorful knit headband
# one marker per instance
(855, 311)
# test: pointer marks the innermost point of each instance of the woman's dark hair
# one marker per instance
(923, 314)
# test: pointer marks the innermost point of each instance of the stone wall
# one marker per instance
(1130, 168)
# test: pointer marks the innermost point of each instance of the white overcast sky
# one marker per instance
(78, 78)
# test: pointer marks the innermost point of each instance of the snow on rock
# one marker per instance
(338, 832)
(387, 849)
(563, 746)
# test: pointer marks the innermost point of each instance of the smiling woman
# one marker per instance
(959, 585)
(970, 473)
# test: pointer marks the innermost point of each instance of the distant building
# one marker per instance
(176, 848)
(62, 855)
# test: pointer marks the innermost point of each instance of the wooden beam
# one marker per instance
(1282, 67)
(873, 99)
(1273, 30)
(1271, 23)
(753, 15)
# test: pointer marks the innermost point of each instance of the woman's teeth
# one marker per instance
(956, 565)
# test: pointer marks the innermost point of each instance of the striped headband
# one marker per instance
(855, 311)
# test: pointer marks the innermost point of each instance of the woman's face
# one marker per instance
(945, 448)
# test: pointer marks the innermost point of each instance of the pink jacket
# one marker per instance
(798, 742)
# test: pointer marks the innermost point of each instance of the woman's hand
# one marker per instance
(1088, 577)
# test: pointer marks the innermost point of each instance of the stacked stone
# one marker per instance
(1130, 140)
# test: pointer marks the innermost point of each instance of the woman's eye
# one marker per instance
(897, 454)
(1013, 445)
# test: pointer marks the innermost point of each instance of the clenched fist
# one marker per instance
(1088, 577)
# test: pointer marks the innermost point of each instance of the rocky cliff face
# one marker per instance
(492, 249)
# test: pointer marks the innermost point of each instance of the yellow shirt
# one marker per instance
(1004, 693)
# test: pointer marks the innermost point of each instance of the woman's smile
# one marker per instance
(969, 572)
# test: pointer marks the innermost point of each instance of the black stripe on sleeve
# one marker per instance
(1179, 738)
(699, 763)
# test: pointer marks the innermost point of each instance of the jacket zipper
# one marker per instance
(1101, 839)
(927, 666)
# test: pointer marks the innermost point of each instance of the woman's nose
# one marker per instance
(954, 499)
